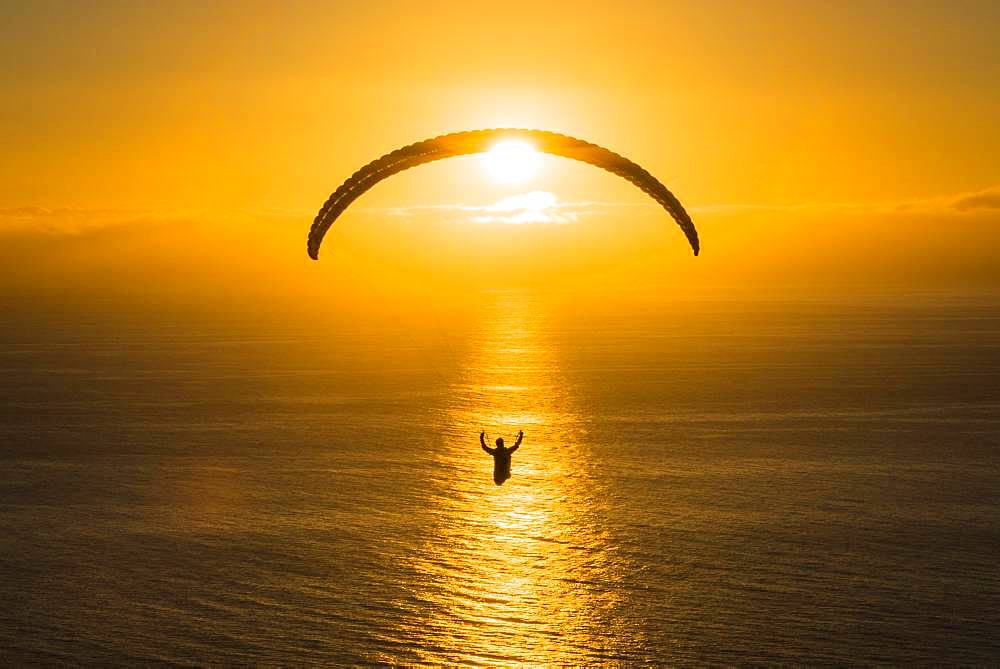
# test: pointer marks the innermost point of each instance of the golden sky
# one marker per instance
(837, 139)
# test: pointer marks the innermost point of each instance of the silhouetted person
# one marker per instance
(501, 456)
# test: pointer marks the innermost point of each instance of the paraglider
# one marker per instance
(501, 456)
(479, 141)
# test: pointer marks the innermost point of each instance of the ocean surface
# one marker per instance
(704, 481)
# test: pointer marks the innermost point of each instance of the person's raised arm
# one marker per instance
(520, 436)
(482, 441)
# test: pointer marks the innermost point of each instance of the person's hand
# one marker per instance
(520, 433)
(482, 434)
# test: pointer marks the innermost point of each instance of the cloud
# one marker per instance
(544, 207)
(988, 199)
(532, 207)
(981, 201)
(69, 221)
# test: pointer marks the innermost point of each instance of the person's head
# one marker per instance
(499, 442)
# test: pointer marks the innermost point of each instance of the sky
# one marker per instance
(173, 148)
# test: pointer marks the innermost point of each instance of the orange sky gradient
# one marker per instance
(179, 152)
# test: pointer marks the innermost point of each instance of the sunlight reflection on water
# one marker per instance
(513, 564)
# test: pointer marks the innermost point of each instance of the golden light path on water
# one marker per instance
(523, 572)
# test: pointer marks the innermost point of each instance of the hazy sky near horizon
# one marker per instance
(786, 127)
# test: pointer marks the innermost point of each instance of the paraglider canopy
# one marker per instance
(510, 152)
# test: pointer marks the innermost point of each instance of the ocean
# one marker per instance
(727, 480)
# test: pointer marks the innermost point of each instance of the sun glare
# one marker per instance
(511, 161)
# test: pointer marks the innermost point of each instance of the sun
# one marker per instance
(511, 161)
